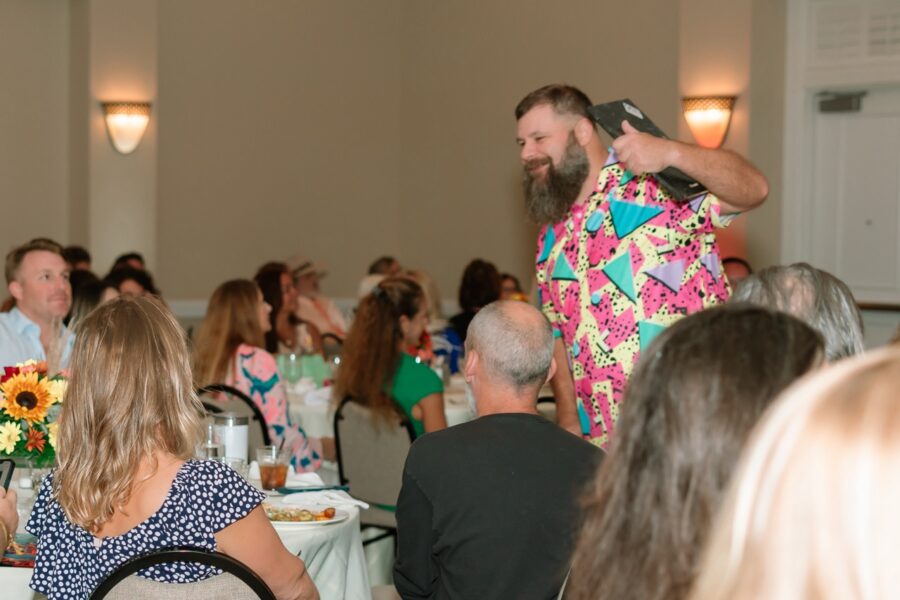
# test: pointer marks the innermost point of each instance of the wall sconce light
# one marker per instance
(708, 118)
(126, 123)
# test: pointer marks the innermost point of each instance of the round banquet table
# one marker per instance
(317, 418)
(333, 555)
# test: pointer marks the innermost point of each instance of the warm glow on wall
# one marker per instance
(126, 123)
(708, 118)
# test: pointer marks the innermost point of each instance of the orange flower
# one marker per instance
(34, 441)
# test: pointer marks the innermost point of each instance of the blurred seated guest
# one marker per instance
(814, 296)
(695, 394)
(87, 296)
(79, 278)
(9, 517)
(37, 277)
(132, 282)
(126, 484)
(132, 260)
(479, 287)
(375, 369)
(488, 509)
(439, 339)
(385, 265)
(510, 288)
(736, 269)
(78, 257)
(811, 512)
(287, 334)
(313, 306)
(229, 349)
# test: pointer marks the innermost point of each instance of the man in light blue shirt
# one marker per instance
(38, 278)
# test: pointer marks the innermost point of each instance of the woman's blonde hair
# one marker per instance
(812, 511)
(129, 395)
(231, 319)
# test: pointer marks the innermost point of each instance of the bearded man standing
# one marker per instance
(618, 258)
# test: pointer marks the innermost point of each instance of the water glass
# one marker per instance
(238, 464)
(291, 367)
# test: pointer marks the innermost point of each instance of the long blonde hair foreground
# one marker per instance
(130, 394)
(812, 513)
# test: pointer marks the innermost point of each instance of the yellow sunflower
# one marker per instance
(25, 396)
(10, 433)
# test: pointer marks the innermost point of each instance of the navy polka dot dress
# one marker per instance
(205, 497)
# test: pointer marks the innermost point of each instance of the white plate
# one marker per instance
(339, 516)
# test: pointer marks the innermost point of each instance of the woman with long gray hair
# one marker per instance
(814, 296)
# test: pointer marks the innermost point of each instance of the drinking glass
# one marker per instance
(273, 466)
(238, 464)
(291, 367)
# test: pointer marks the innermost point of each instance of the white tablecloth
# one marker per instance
(333, 555)
(318, 419)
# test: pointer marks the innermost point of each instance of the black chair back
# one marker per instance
(254, 413)
(189, 555)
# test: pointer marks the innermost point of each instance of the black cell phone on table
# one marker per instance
(7, 466)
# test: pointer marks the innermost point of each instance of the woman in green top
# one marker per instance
(376, 371)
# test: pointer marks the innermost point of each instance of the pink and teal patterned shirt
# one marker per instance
(256, 374)
(624, 265)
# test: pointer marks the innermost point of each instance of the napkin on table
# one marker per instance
(327, 498)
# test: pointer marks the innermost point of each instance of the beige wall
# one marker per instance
(466, 67)
(340, 130)
(768, 34)
(344, 133)
(34, 117)
(122, 205)
(279, 133)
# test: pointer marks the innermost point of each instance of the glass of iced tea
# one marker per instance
(273, 466)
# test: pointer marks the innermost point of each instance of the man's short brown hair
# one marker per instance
(17, 255)
(565, 100)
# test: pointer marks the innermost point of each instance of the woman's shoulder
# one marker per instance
(256, 356)
(416, 375)
(211, 483)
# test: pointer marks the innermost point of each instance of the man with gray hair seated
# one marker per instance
(489, 509)
(814, 296)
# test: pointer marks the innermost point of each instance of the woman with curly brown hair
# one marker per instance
(376, 371)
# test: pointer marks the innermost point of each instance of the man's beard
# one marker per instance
(549, 199)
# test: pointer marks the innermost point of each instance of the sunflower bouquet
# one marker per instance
(29, 406)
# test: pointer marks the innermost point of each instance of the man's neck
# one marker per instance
(597, 155)
(48, 331)
(498, 400)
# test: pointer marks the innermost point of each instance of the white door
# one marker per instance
(855, 215)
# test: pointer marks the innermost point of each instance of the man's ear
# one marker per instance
(472, 360)
(584, 131)
(552, 370)
(15, 290)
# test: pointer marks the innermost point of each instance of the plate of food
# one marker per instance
(298, 516)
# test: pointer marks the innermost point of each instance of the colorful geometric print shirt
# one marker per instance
(623, 266)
